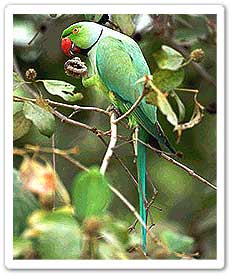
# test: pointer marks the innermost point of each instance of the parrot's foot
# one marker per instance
(112, 108)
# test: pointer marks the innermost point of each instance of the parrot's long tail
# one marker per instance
(141, 168)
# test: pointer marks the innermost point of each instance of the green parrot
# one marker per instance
(116, 63)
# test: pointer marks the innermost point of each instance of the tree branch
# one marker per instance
(63, 153)
(182, 166)
(64, 105)
(113, 141)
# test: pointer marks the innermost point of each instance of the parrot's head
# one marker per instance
(80, 37)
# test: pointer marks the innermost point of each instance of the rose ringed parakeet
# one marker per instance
(115, 64)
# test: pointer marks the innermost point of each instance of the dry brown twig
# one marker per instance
(100, 133)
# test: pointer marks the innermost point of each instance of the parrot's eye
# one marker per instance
(75, 31)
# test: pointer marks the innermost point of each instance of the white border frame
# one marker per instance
(112, 264)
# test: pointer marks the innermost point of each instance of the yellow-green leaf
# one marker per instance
(125, 23)
(168, 59)
(62, 89)
(21, 125)
(90, 194)
(159, 99)
(167, 80)
(40, 117)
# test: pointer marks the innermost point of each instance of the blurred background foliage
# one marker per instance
(188, 206)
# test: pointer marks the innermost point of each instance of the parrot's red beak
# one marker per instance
(68, 47)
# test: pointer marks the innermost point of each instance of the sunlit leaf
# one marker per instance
(23, 204)
(21, 125)
(180, 105)
(40, 117)
(62, 89)
(124, 22)
(159, 99)
(111, 248)
(168, 59)
(58, 235)
(177, 242)
(167, 80)
(118, 228)
(198, 113)
(17, 80)
(19, 90)
(90, 194)
(21, 247)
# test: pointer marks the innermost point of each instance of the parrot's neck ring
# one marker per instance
(85, 51)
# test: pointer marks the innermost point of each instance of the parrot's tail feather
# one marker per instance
(141, 167)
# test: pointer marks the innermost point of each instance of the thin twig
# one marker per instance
(113, 141)
(189, 171)
(165, 156)
(182, 166)
(128, 204)
(201, 70)
(64, 105)
(54, 166)
(100, 133)
(63, 153)
(64, 119)
(126, 114)
(75, 162)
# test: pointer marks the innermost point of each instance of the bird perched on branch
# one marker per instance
(116, 63)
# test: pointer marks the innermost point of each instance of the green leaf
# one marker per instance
(19, 90)
(180, 105)
(112, 249)
(177, 242)
(40, 117)
(62, 89)
(17, 80)
(93, 17)
(24, 203)
(192, 27)
(166, 109)
(59, 235)
(124, 22)
(21, 247)
(118, 228)
(167, 80)
(21, 125)
(159, 99)
(168, 59)
(17, 107)
(90, 194)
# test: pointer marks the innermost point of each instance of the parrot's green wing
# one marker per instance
(120, 64)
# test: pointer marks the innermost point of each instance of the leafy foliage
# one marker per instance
(168, 58)
(62, 89)
(90, 199)
(124, 22)
(94, 224)
(168, 80)
(21, 125)
(57, 235)
(177, 242)
(40, 117)
(24, 204)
